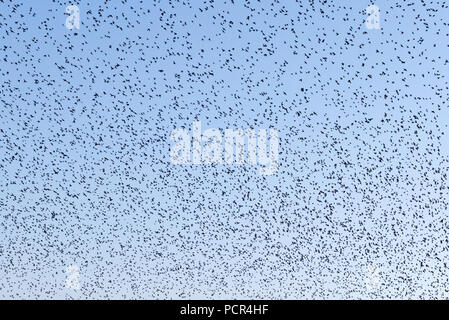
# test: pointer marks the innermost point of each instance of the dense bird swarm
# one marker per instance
(86, 178)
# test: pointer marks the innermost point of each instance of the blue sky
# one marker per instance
(86, 177)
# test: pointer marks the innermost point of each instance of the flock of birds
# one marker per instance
(85, 172)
